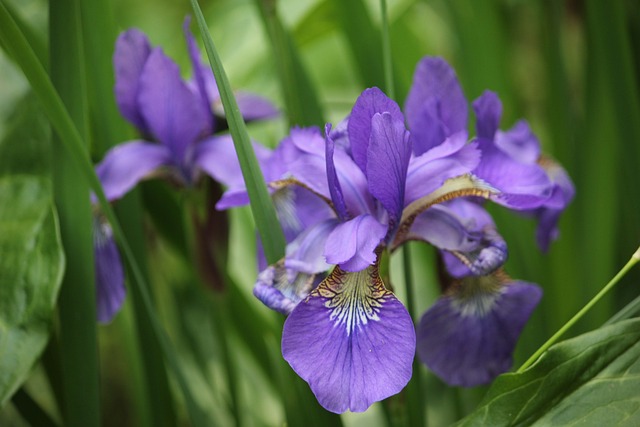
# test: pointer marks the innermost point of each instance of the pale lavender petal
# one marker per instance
(306, 253)
(351, 340)
(281, 289)
(352, 244)
(468, 338)
(110, 290)
(488, 109)
(522, 185)
(172, 111)
(387, 161)
(255, 107)
(125, 165)
(426, 173)
(335, 190)
(217, 157)
(370, 102)
(201, 74)
(519, 142)
(131, 53)
(435, 107)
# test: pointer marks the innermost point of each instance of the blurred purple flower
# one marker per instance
(176, 120)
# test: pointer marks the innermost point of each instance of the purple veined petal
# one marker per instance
(475, 244)
(300, 210)
(110, 290)
(435, 107)
(352, 244)
(172, 111)
(282, 290)
(125, 165)
(201, 74)
(522, 186)
(335, 190)
(426, 173)
(370, 102)
(387, 162)
(351, 340)
(519, 143)
(217, 157)
(468, 338)
(131, 53)
(306, 253)
(488, 109)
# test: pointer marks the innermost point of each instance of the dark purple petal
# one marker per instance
(202, 75)
(110, 290)
(351, 340)
(436, 107)
(387, 161)
(488, 109)
(335, 190)
(426, 173)
(217, 157)
(522, 185)
(468, 338)
(519, 142)
(173, 112)
(131, 53)
(370, 102)
(352, 244)
(125, 165)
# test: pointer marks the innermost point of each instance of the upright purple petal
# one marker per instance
(387, 161)
(131, 53)
(467, 338)
(335, 190)
(488, 109)
(436, 107)
(110, 290)
(519, 142)
(201, 74)
(125, 165)
(174, 113)
(351, 340)
(352, 244)
(370, 102)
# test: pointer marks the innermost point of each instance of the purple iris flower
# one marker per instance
(347, 335)
(176, 120)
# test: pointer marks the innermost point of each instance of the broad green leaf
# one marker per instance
(31, 269)
(590, 380)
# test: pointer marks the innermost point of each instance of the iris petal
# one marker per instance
(352, 244)
(110, 290)
(351, 340)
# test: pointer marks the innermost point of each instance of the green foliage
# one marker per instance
(590, 380)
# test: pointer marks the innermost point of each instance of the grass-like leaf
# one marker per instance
(263, 211)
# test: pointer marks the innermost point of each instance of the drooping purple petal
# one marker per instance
(351, 340)
(335, 190)
(201, 74)
(131, 53)
(174, 113)
(110, 290)
(519, 142)
(468, 338)
(387, 161)
(255, 107)
(435, 107)
(126, 164)
(217, 157)
(454, 157)
(488, 109)
(522, 185)
(352, 244)
(370, 102)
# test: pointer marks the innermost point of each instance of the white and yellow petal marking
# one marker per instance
(353, 299)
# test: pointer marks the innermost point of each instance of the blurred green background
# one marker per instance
(571, 68)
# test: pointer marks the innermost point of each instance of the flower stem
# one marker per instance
(633, 261)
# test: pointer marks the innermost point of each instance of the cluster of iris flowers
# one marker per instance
(345, 196)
